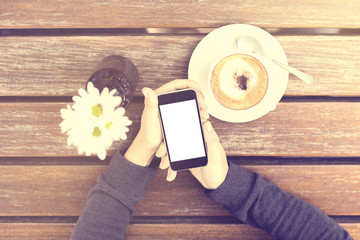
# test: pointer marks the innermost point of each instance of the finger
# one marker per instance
(150, 127)
(171, 175)
(165, 163)
(162, 150)
(177, 85)
(204, 115)
(201, 99)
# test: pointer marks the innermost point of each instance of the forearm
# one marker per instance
(260, 203)
(111, 202)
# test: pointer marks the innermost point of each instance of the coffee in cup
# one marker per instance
(238, 81)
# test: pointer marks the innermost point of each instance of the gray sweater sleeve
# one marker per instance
(262, 204)
(111, 201)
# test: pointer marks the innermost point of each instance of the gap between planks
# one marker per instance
(154, 219)
(163, 31)
(240, 160)
(140, 99)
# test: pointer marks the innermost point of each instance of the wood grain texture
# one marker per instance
(335, 190)
(177, 13)
(208, 232)
(320, 129)
(36, 231)
(195, 232)
(62, 231)
(62, 190)
(59, 66)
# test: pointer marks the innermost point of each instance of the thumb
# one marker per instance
(210, 135)
(151, 100)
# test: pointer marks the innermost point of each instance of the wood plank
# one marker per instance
(62, 190)
(59, 66)
(59, 231)
(321, 129)
(335, 190)
(296, 129)
(35, 231)
(44, 231)
(208, 231)
(32, 129)
(178, 13)
(195, 232)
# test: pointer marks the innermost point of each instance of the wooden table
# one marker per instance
(309, 145)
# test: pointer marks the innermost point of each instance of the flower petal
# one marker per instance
(90, 85)
(102, 154)
(112, 92)
(77, 99)
(93, 91)
(120, 111)
(82, 93)
(104, 92)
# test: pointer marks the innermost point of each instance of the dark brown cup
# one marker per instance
(116, 72)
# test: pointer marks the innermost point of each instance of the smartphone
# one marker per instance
(182, 129)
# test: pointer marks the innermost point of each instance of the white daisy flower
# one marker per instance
(93, 122)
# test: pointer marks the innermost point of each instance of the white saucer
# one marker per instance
(222, 41)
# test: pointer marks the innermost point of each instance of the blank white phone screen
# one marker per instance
(182, 130)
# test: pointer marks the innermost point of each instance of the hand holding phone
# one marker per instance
(149, 137)
(182, 129)
(214, 173)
